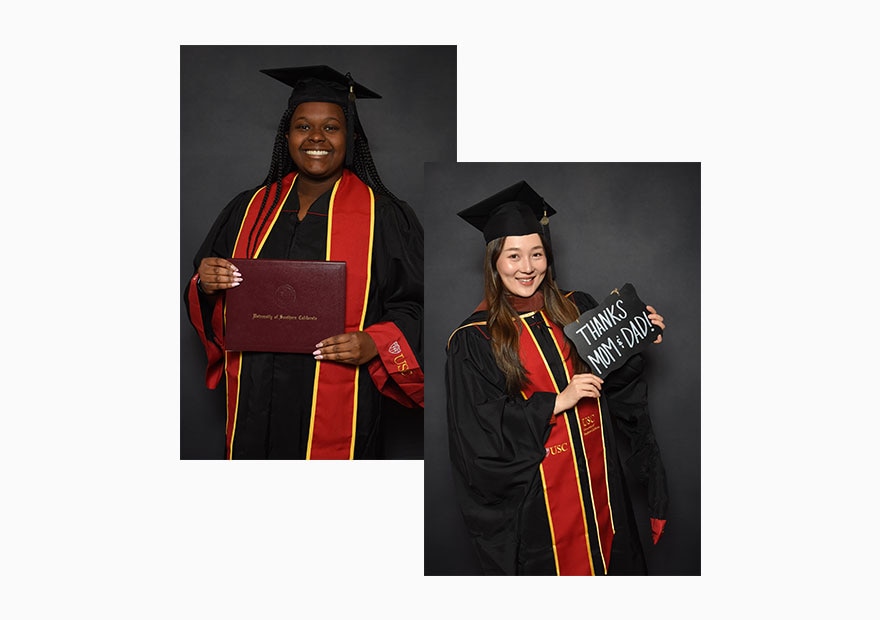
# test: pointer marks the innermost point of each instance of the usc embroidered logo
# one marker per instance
(402, 365)
(557, 449)
(589, 423)
(399, 358)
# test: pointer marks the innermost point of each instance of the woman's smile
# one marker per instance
(522, 264)
(317, 139)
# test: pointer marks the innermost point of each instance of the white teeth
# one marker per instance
(317, 152)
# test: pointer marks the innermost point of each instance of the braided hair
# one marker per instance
(361, 165)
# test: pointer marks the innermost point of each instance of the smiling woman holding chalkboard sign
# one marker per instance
(532, 431)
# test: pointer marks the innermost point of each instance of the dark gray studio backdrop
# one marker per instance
(616, 223)
(229, 114)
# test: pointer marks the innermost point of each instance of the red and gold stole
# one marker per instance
(563, 487)
(350, 227)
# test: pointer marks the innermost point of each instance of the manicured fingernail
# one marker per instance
(236, 283)
(237, 273)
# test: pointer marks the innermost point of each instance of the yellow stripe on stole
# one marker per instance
(369, 263)
(363, 313)
(574, 461)
(265, 188)
(541, 467)
(256, 254)
(604, 450)
(237, 400)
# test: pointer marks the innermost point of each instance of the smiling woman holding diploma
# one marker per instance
(322, 200)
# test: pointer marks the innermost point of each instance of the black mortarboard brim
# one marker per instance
(514, 211)
(323, 83)
(319, 83)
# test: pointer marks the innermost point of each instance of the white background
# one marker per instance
(777, 100)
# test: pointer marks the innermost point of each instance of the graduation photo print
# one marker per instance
(534, 464)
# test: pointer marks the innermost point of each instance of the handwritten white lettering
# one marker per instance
(602, 322)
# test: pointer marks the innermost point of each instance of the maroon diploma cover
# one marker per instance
(285, 306)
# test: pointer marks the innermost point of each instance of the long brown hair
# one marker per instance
(503, 321)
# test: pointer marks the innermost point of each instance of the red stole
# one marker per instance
(350, 223)
(562, 485)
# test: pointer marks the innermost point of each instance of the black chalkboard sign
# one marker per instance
(613, 331)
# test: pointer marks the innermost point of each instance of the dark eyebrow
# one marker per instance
(305, 118)
(537, 247)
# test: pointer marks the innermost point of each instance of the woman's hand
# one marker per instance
(657, 320)
(217, 274)
(354, 348)
(581, 386)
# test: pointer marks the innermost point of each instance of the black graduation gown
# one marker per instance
(276, 388)
(497, 445)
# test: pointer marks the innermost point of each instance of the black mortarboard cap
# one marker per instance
(319, 83)
(514, 211)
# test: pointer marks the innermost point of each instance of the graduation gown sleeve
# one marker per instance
(398, 267)
(496, 445)
(203, 310)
